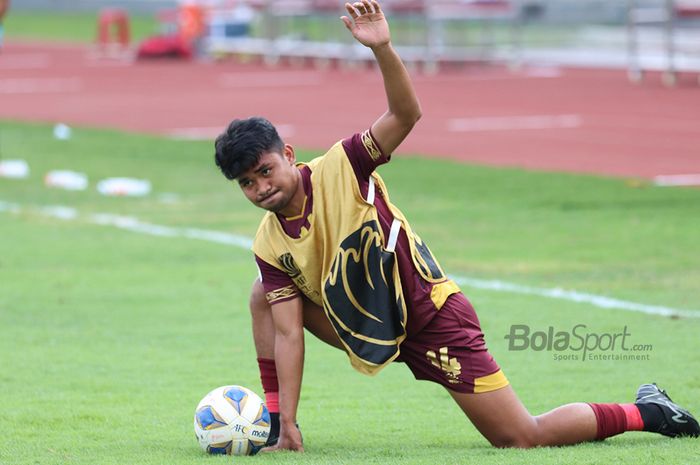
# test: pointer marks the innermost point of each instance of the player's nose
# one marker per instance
(263, 188)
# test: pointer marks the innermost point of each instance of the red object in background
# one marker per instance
(687, 9)
(109, 19)
(191, 24)
(185, 25)
(165, 46)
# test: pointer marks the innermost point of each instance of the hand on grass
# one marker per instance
(289, 439)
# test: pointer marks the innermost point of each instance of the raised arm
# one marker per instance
(369, 26)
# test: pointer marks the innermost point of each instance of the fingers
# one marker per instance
(362, 8)
(347, 22)
(277, 448)
(352, 11)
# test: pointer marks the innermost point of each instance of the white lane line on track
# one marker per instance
(40, 85)
(24, 61)
(196, 133)
(288, 79)
(544, 72)
(132, 224)
(210, 133)
(514, 123)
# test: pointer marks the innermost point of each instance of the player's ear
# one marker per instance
(289, 154)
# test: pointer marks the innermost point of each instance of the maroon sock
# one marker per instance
(268, 377)
(634, 417)
(614, 419)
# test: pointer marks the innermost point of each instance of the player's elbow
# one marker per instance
(416, 115)
(409, 119)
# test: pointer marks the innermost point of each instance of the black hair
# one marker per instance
(240, 146)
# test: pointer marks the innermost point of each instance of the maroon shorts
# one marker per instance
(450, 350)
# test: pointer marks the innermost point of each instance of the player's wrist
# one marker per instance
(382, 47)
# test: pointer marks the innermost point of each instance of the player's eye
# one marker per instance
(245, 183)
(266, 171)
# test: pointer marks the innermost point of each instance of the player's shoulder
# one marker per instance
(337, 151)
(266, 228)
(267, 219)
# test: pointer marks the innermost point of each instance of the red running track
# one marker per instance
(591, 121)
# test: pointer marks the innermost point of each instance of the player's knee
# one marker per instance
(514, 443)
(512, 438)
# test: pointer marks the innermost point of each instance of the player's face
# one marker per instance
(272, 183)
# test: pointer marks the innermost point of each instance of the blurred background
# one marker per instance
(662, 35)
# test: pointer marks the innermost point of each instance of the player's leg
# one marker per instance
(317, 323)
(503, 420)
(451, 351)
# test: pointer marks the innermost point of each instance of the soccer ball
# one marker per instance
(232, 420)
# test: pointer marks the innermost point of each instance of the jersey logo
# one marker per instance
(289, 265)
(450, 366)
(362, 299)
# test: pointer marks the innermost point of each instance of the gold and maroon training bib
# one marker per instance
(344, 263)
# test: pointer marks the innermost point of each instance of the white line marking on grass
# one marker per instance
(9, 207)
(575, 296)
(60, 212)
(677, 180)
(132, 224)
(40, 85)
(242, 242)
(514, 123)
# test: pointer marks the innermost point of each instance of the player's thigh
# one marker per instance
(499, 416)
(317, 323)
(314, 318)
(258, 302)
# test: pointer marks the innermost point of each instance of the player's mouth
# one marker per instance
(268, 196)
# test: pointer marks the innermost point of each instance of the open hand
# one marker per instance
(368, 24)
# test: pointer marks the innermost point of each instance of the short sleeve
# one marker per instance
(364, 153)
(278, 286)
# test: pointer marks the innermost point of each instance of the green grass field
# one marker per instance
(109, 338)
(68, 27)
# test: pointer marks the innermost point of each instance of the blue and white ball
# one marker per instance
(232, 420)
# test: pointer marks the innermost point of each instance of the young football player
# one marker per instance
(337, 257)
